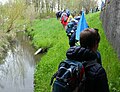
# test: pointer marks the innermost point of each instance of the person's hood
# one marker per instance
(80, 54)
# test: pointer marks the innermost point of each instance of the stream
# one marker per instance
(17, 71)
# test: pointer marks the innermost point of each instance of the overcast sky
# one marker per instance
(3, 1)
(99, 1)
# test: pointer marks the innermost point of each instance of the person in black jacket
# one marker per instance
(96, 78)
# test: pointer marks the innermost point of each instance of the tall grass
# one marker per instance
(50, 34)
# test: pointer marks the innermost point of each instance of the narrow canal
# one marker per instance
(17, 71)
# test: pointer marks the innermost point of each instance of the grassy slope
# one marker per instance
(109, 57)
(49, 34)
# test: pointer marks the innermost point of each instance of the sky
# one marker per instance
(99, 3)
(3, 1)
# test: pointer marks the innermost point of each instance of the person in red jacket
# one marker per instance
(64, 19)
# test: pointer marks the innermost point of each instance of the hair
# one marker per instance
(89, 38)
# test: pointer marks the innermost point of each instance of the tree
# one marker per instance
(89, 4)
(13, 10)
(16, 13)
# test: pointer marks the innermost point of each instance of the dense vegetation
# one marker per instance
(49, 33)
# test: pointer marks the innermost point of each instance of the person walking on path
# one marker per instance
(96, 77)
(64, 19)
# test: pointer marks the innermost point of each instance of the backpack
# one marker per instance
(69, 77)
(69, 30)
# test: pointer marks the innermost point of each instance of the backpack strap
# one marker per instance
(53, 78)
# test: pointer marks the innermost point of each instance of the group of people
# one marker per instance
(69, 22)
(96, 77)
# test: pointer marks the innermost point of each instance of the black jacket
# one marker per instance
(96, 78)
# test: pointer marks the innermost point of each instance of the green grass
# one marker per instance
(50, 34)
(109, 56)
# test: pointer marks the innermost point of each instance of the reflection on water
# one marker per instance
(17, 72)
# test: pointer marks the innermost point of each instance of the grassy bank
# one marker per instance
(109, 56)
(50, 34)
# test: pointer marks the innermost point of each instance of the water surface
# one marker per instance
(17, 71)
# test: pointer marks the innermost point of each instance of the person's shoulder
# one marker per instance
(97, 70)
